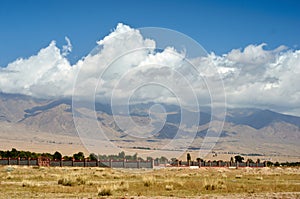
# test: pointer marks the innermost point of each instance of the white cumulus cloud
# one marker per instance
(124, 60)
(66, 49)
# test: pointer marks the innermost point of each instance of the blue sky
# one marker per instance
(219, 26)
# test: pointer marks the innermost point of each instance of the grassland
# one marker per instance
(68, 182)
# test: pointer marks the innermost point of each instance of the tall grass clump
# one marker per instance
(148, 181)
(105, 190)
(213, 184)
(71, 181)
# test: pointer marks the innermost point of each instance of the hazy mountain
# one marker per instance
(251, 130)
(258, 119)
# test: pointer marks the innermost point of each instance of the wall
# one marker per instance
(122, 163)
(84, 163)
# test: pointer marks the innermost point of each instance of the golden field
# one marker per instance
(74, 182)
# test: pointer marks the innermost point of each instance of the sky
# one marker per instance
(253, 46)
(219, 26)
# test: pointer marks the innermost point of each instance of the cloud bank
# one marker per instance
(124, 59)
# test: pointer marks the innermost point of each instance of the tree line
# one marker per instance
(14, 153)
(241, 159)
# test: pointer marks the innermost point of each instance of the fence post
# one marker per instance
(8, 161)
(124, 162)
(18, 161)
(237, 165)
(152, 163)
(28, 161)
(138, 164)
(84, 162)
(61, 163)
(97, 162)
(110, 163)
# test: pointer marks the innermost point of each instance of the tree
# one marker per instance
(34, 155)
(269, 163)
(93, 157)
(103, 157)
(2, 154)
(238, 158)
(163, 159)
(57, 155)
(134, 157)
(47, 155)
(199, 160)
(149, 158)
(78, 156)
(122, 155)
(14, 153)
(250, 160)
(188, 158)
(67, 158)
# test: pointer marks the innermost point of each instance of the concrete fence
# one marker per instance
(120, 163)
(78, 163)
(18, 161)
(218, 164)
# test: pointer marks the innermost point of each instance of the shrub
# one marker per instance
(209, 187)
(80, 181)
(238, 176)
(169, 187)
(148, 181)
(65, 182)
(124, 186)
(213, 184)
(26, 183)
(71, 182)
(105, 191)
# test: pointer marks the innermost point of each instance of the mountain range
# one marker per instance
(43, 124)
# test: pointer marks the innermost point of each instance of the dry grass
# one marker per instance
(105, 190)
(148, 181)
(71, 181)
(40, 182)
